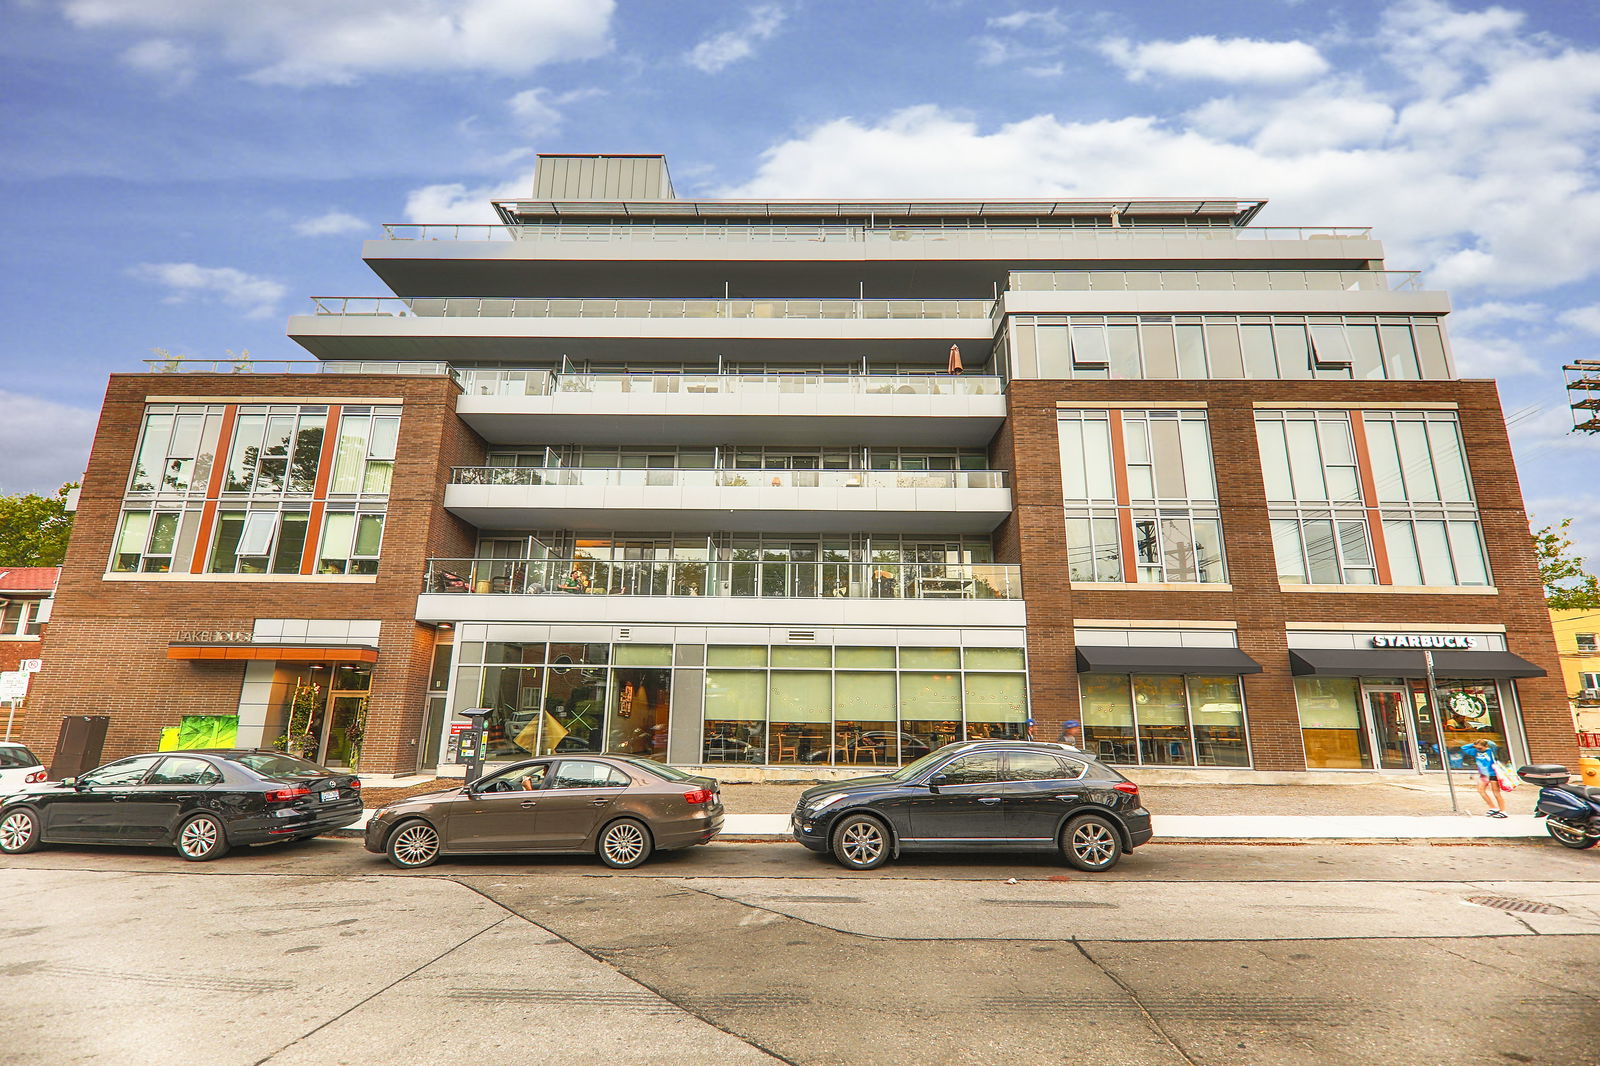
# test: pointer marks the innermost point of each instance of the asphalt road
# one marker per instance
(320, 953)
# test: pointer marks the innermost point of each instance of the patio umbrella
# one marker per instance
(955, 366)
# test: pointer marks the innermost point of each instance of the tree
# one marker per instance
(34, 529)
(1567, 585)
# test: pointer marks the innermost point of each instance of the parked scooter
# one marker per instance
(1571, 812)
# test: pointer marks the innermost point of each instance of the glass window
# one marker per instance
(736, 719)
(1471, 712)
(736, 655)
(979, 768)
(995, 658)
(864, 729)
(1162, 717)
(125, 772)
(1216, 707)
(863, 658)
(1107, 706)
(1331, 723)
(575, 774)
(1036, 766)
(184, 771)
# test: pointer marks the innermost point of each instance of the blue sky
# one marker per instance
(182, 174)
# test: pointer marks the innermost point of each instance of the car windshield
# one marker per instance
(670, 773)
(912, 769)
(12, 757)
(269, 764)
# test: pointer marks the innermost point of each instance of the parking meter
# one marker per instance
(470, 744)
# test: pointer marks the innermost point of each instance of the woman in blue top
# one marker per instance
(1480, 753)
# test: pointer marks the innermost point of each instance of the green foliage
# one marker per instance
(1567, 585)
(34, 529)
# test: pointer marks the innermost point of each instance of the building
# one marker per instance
(1578, 643)
(26, 597)
(822, 483)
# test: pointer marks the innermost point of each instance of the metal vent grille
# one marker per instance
(624, 634)
(802, 634)
(1516, 906)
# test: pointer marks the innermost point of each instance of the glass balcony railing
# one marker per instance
(531, 382)
(681, 477)
(1215, 281)
(740, 578)
(844, 232)
(507, 307)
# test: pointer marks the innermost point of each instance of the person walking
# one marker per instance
(1480, 753)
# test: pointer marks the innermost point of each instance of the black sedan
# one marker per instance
(201, 802)
(979, 794)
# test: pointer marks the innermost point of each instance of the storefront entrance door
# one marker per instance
(1391, 728)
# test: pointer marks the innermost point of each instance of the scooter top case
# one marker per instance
(1545, 775)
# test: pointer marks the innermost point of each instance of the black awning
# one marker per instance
(1102, 659)
(1394, 662)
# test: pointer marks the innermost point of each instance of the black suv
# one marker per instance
(981, 793)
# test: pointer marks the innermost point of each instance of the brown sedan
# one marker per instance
(621, 808)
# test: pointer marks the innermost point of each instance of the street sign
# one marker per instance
(13, 684)
(31, 666)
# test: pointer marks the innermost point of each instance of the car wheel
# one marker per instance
(861, 842)
(413, 845)
(1091, 842)
(1566, 835)
(624, 844)
(19, 831)
(202, 838)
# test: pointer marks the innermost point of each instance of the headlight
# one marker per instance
(826, 801)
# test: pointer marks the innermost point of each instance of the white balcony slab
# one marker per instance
(750, 508)
(719, 610)
(738, 418)
(1358, 302)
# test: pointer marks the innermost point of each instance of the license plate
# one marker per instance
(328, 797)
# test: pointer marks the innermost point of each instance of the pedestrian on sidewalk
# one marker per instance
(1481, 753)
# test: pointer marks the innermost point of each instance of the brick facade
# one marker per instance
(1034, 536)
(109, 635)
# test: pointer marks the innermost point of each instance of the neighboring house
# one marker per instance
(26, 593)
(1578, 642)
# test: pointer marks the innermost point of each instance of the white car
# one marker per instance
(19, 768)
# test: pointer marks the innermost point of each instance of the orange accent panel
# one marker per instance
(1119, 474)
(1369, 493)
(319, 493)
(219, 467)
(257, 653)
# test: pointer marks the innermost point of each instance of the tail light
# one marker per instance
(284, 795)
(355, 782)
(699, 795)
(1127, 786)
(35, 777)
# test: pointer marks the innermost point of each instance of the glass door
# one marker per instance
(347, 718)
(1391, 728)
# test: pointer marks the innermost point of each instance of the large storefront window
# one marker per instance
(1331, 723)
(1380, 723)
(1164, 719)
(1471, 711)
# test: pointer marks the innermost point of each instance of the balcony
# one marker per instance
(475, 328)
(952, 257)
(721, 590)
(1216, 281)
(748, 500)
(516, 406)
(1192, 291)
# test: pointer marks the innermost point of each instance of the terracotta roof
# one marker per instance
(29, 578)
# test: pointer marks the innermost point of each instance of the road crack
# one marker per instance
(1151, 1019)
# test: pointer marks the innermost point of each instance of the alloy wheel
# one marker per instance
(16, 831)
(861, 843)
(415, 845)
(198, 838)
(624, 843)
(1094, 843)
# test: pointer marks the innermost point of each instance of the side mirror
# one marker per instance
(936, 780)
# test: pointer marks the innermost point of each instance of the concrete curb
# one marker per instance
(1216, 827)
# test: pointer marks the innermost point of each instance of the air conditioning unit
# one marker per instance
(1590, 695)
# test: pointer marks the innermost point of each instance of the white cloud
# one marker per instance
(46, 444)
(1586, 319)
(1049, 21)
(537, 112)
(1490, 181)
(312, 42)
(332, 224)
(723, 49)
(457, 202)
(1233, 59)
(161, 58)
(257, 297)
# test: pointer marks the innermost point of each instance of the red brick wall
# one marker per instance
(109, 637)
(1256, 603)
